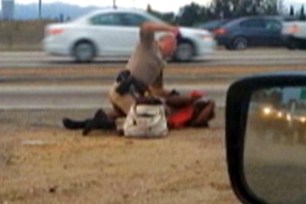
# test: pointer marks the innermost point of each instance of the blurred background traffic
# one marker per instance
(278, 114)
(88, 32)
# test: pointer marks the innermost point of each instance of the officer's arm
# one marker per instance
(155, 27)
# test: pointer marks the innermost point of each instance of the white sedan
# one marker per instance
(115, 33)
(294, 34)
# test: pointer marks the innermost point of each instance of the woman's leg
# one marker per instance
(204, 112)
(103, 121)
(72, 124)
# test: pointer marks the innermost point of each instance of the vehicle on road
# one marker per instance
(295, 34)
(213, 25)
(246, 32)
(115, 32)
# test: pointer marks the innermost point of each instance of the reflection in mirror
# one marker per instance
(275, 145)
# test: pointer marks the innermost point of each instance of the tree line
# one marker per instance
(194, 13)
(300, 14)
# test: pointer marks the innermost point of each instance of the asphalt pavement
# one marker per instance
(34, 80)
(250, 57)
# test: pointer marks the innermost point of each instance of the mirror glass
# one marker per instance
(275, 145)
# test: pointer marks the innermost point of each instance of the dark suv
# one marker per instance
(250, 31)
(213, 25)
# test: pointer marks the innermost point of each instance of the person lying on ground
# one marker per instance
(144, 75)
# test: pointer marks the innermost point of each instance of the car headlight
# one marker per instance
(302, 119)
(288, 117)
(279, 114)
(267, 110)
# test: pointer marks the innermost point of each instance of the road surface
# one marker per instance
(262, 57)
(33, 80)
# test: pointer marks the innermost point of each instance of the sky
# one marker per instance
(159, 5)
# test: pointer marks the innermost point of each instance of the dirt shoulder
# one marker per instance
(40, 162)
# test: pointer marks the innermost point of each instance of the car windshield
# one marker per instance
(106, 14)
(72, 71)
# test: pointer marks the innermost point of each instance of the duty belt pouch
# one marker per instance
(122, 80)
(127, 84)
(146, 120)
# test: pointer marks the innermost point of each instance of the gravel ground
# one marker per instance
(40, 162)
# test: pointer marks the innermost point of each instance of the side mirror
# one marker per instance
(266, 138)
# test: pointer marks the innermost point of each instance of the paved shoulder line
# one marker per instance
(82, 97)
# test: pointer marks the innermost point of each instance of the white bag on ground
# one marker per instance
(146, 120)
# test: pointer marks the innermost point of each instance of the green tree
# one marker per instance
(269, 7)
(223, 9)
(291, 11)
(302, 14)
(192, 14)
(238, 8)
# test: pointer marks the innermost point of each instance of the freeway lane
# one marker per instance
(257, 57)
(58, 84)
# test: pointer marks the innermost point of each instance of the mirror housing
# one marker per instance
(237, 105)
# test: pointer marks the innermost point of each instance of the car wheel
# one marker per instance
(84, 52)
(240, 43)
(184, 52)
(228, 47)
(292, 44)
